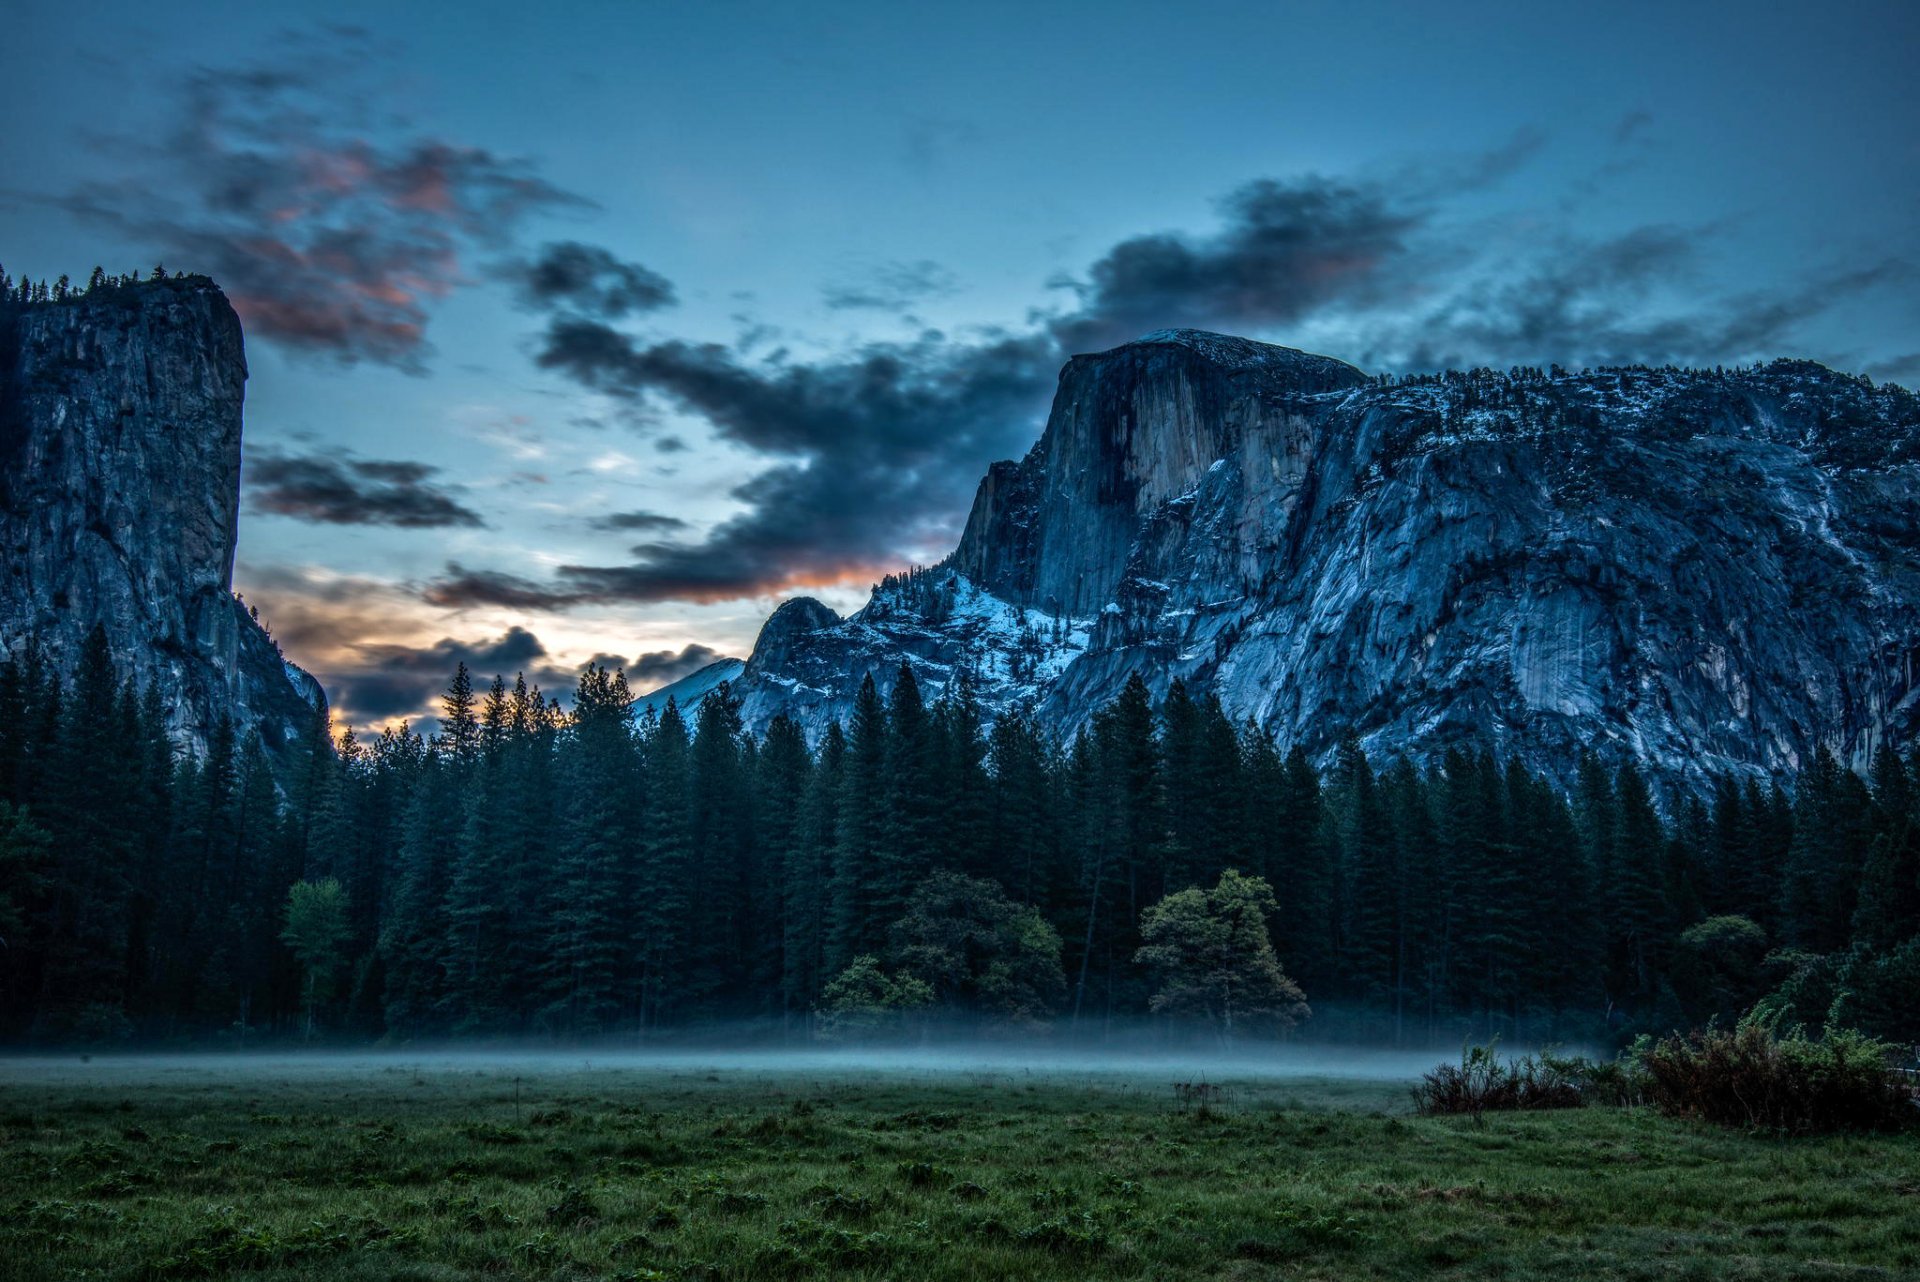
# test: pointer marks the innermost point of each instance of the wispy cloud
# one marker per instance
(335, 488)
(334, 233)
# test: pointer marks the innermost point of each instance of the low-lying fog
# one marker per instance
(1246, 1062)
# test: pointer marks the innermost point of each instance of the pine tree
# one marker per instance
(609, 929)
(1831, 820)
(1120, 832)
(1023, 846)
(723, 887)
(1369, 864)
(666, 870)
(1638, 914)
(854, 926)
(1888, 910)
(809, 879)
(786, 873)
(910, 851)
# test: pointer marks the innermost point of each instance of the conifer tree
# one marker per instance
(809, 881)
(665, 874)
(786, 873)
(854, 927)
(723, 884)
(608, 926)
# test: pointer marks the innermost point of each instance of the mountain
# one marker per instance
(1701, 570)
(689, 690)
(119, 499)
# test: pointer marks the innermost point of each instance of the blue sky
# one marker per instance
(873, 231)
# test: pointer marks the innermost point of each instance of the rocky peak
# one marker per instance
(120, 420)
(786, 628)
(1701, 570)
(1131, 428)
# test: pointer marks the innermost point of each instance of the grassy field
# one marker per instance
(511, 1169)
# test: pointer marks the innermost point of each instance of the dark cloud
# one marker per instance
(392, 681)
(330, 236)
(589, 279)
(879, 453)
(631, 521)
(461, 587)
(1285, 250)
(893, 288)
(1601, 303)
(337, 489)
(1904, 370)
(339, 628)
(663, 667)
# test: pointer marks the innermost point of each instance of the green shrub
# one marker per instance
(1481, 1082)
(1751, 1076)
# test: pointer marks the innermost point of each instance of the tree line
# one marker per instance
(534, 870)
(26, 292)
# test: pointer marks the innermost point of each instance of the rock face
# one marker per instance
(1701, 570)
(119, 498)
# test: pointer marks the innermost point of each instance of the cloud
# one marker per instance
(878, 454)
(663, 667)
(1632, 126)
(631, 521)
(366, 639)
(391, 681)
(892, 288)
(337, 489)
(1904, 370)
(1605, 302)
(332, 236)
(460, 588)
(1284, 250)
(367, 642)
(589, 279)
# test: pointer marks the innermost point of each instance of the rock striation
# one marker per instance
(1701, 570)
(119, 500)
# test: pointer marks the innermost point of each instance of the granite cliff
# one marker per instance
(1702, 570)
(119, 499)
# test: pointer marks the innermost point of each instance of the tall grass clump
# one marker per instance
(1482, 1082)
(1754, 1077)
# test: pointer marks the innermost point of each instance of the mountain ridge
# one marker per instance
(1701, 570)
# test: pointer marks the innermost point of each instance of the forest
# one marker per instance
(537, 870)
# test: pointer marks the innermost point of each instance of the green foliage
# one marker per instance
(1718, 968)
(866, 999)
(1481, 1083)
(24, 855)
(1213, 962)
(316, 926)
(976, 950)
(1753, 1077)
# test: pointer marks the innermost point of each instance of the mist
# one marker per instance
(957, 1058)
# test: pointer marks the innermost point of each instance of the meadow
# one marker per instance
(444, 1168)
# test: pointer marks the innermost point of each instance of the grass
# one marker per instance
(458, 1170)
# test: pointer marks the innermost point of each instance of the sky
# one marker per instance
(591, 331)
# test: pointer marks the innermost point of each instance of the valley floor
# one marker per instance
(451, 1169)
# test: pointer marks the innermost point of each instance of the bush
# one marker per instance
(1868, 991)
(1481, 1083)
(1752, 1077)
(865, 1000)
